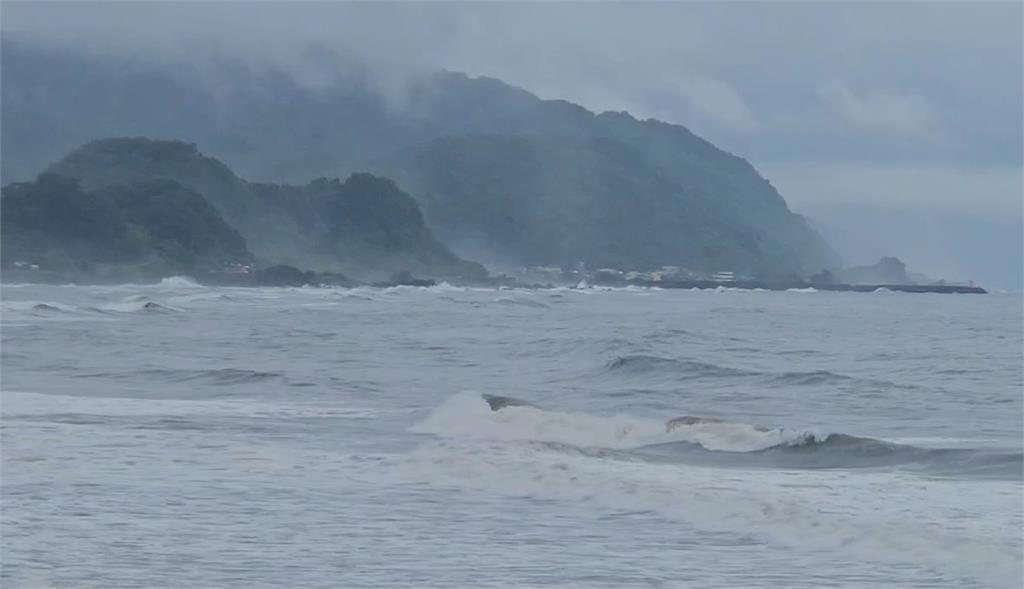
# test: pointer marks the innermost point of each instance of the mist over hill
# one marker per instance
(500, 175)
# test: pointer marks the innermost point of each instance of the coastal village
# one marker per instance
(556, 275)
(889, 274)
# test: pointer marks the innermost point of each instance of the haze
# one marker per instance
(896, 128)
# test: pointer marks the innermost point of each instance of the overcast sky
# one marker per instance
(900, 105)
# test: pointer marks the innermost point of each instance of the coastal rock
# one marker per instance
(405, 278)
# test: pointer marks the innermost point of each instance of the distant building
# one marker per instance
(723, 277)
(676, 273)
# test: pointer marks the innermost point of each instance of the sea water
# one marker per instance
(179, 436)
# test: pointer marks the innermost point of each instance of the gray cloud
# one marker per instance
(883, 111)
(993, 191)
(770, 80)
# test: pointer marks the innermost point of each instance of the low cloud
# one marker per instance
(718, 101)
(949, 222)
(879, 110)
(993, 191)
(882, 81)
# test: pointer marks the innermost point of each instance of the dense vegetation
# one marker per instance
(365, 226)
(157, 226)
(500, 174)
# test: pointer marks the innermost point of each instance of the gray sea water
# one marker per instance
(180, 436)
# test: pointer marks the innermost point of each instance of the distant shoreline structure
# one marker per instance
(754, 285)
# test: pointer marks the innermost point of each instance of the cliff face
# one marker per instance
(498, 172)
(365, 226)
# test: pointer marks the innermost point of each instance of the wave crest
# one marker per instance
(698, 440)
(647, 364)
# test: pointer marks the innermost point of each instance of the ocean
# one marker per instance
(175, 435)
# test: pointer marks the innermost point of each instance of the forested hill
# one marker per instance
(365, 226)
(143, 229)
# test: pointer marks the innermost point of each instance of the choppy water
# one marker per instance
(179, 436)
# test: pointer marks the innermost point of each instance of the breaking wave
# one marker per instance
(179, 282)
(703, 441)
(625, 464)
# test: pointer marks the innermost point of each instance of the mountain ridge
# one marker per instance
(267, 125)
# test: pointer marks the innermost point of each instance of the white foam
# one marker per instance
(444, 286)
(819, 514)
(467, 415)
(857, 517)
(179, 282)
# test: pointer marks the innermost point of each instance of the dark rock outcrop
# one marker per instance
(888, 270)
(405, 278)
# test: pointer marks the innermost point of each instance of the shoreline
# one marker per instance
(498, 284)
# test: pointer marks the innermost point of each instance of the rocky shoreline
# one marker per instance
(756, 285)
(285, 276)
